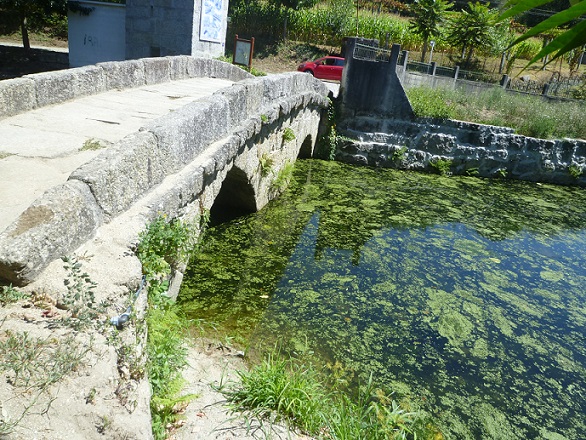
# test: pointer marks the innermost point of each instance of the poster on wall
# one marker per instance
(212, 14)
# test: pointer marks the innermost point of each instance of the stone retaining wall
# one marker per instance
(109, 184)
(473, 149)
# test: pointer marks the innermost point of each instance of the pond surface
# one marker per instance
(466, 296)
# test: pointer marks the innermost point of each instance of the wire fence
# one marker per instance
(491, 78)
(573, 87)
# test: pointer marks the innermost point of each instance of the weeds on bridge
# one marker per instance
(80, 298)
(163, 245)
(32, 367)
(442, 166)
(575, 171)
(288, 134)
(266, 163)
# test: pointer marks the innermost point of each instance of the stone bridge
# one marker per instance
(225, 148)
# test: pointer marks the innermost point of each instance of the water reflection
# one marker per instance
(466, 295)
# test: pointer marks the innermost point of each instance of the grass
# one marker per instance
(528, 115)
(294, 392)
(9, 295)
(32, 366)
(167, 354)
(91, 144)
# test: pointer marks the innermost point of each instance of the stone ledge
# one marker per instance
(42, 89)
(17, 96)
(59, 221)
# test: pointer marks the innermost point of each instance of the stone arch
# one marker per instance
(306, 149)
(236, 197)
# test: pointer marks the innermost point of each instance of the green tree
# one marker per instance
(24, 9)
(472, 28)
(428, 15)
(572, 37)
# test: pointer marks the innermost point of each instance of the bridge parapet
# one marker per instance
(20, 95)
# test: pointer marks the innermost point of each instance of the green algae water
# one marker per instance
(465, 296)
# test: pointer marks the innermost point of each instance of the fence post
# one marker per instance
(433, 68)
(545, 90)
(505, 81)
(405, 60)
(456, 71)
(405, 54)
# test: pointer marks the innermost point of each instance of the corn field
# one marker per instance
(327, 23)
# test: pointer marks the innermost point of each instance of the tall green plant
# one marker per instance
(338, 18)
(428, 15)
(472, 29)
(163, 245)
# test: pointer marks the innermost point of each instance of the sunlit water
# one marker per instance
(465, 296)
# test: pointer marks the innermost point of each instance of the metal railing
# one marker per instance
(370, 53)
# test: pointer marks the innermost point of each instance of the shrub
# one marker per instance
(163, 245)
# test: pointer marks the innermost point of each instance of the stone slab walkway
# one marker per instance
(41, 148)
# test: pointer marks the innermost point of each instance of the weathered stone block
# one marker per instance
(248, 129)
(88, 80)
(186, 187)
(197, 67)
(156, 70)
(185, 133)
(566, 149)
(56, 224)
(178, 66)
(123, 74)
(236, 97)
(52, 87)
(124, 172)
(17, 96)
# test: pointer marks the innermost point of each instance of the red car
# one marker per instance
(324, 68)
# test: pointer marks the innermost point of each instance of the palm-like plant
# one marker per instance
(571, 38)
(472, 29)
(428, 15)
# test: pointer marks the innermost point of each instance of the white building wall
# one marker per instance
(99, 36)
